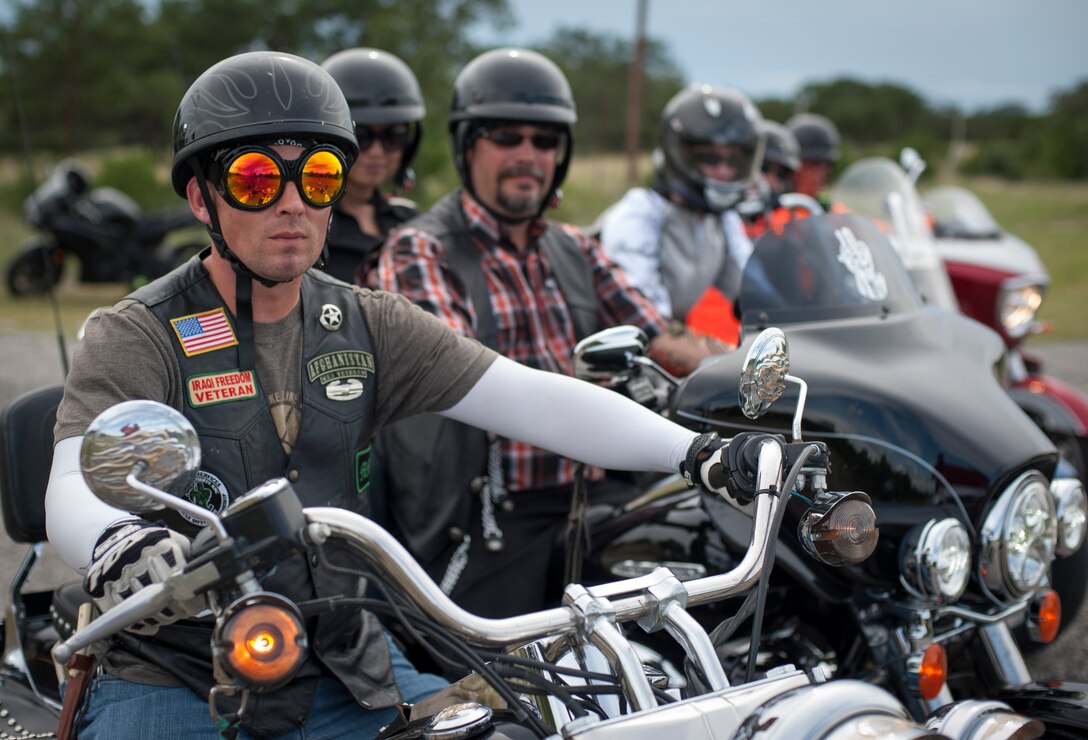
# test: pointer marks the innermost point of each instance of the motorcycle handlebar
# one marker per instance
(390, 557)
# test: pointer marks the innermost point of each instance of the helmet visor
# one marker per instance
(718, 163)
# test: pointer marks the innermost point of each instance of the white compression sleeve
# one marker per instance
(74, 516)
(572, 418)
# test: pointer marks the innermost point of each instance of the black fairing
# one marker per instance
(904, 395)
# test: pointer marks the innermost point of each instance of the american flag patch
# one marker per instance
(204, 332)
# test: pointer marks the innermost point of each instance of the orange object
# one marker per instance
(712, 316)
(1049, 616)
(932, 672)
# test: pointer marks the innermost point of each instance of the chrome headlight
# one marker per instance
(935, 560)
(1072, 512)
(1018, 537)
(1018, 303)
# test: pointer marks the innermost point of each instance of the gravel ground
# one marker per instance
(32, 360)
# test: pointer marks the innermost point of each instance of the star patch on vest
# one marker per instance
(342, 373)
(233, 385)
(204, 332)
(207, 492)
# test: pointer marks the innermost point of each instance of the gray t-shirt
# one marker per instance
(126, 353)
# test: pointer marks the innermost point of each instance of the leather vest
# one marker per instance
(328, 466)
(430, 463)
(695, 256)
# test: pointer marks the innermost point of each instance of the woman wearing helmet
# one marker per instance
(387, 108)
(681, 240)
(284, 373)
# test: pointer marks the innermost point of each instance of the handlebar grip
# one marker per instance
(146, 602)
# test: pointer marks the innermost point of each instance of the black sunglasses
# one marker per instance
(393, 139)
(508, 139)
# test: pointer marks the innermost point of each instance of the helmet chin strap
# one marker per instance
(243, 276)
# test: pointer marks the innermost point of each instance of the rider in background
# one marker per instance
(781, 163)
(819, 140)
(387, 108)
(681, 240)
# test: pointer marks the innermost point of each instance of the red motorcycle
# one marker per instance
(1000, 281)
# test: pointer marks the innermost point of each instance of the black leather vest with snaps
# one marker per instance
(328, 466)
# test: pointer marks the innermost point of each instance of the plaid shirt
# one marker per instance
(532, 322)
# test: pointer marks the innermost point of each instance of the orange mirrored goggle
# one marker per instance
(253, 177)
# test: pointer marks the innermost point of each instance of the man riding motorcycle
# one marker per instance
(285, 372)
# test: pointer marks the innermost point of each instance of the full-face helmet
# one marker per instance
(705, 128)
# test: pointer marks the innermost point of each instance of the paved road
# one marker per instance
(31, 361)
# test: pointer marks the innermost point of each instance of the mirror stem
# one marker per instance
(176, 502)
(802, 396)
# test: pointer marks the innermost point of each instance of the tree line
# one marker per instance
(89, 74)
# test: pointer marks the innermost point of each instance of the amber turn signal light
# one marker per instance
(260, 641)
(932, 672)
(1045, 617)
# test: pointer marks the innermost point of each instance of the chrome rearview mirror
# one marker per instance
(606, 353)
(137, 451)
(765, 374)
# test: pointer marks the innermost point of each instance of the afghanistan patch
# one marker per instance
(204, 332)
(233, 385)
(341, 373)
(207, 492)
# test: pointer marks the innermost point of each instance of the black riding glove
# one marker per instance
(726, 467)
(132, 555)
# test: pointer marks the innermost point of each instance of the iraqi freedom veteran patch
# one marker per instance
(233, 385)
(204, 332)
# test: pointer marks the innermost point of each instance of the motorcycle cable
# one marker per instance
(413, 619)
(768, 560)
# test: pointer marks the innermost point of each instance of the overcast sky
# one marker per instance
(972, 53)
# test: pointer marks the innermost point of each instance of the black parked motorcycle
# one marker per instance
(113, 239)
(908, 400)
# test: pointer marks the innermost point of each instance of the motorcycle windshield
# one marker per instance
(959, 214)
(825, 267)
(879, 189)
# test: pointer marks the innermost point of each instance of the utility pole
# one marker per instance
(634, 95)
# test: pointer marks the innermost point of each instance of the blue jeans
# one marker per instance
(117, 709)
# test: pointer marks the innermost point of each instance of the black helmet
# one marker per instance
(259, 95)
(381, 89)
(818, 137)
(515, 85)
(780, 146)
(705, 115)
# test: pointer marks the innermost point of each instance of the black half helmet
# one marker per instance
(780, 146)
(818, 137)
(516, 86)
(381, 89)
(254, 96)
(703, 115)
